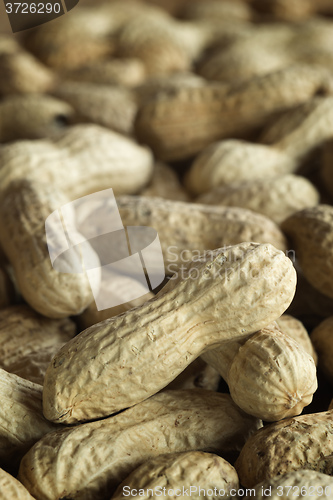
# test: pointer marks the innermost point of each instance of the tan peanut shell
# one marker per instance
(325, 465)
(296, 330)
(32, 116)
(322, 339)
(109, 106)
(125, 71)
(286, 446)
(28, 341)
(180, 125)
(277, 198)
(327, 166)
(305, 483)
(269, 375)
(21, 73)
(192, 471)
(25, 206)
(89, 461)
(185, 230)
(11, 488)
(299, 131)
(197, 375)
(165, 184)
(230, 161)
(113, 365)
(21, 419)
(311, 234)
(9, 44)
(68, 162)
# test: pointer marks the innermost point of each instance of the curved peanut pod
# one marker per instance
(286, 446)
(193, 471)
(25, 207)
(32, 117)
(82, 160)
(292, 378)
(88, 461)
(235, 292)
(296, 330)
(311, 233)
(21, 418)
(11, 488)
(276, 198)
(310, 484)
(180, 125)
(185, 230)
(28, 341)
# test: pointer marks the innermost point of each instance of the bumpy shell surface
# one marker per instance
(272, 376)
(25, 206)
(226, 162)
(89, 461)
(32, 117)
(276, 198)
(304, 483)
(21, 418)
(185, 230)
(11, 488)
(322, 339)
(297, 331)
(28, 341)
(84, 159)
(311, 234)
(124, 360)
(180, 471)
(180, 125)
(110, 106)
(282, 447)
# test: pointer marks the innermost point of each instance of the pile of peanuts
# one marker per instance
(212, 122)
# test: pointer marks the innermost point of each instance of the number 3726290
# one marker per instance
(32, 8)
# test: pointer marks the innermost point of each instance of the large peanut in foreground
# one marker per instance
(124, 360)
(89, 461)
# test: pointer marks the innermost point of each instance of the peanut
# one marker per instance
(296, 330)
(277, 197)
(244, 366)
(179, 472)
(62, 464)
(11, 488)
(286, 446)
(118, 349)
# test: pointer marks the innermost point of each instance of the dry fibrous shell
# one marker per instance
(276, 197)
(311, 234)
(32, 116)
(245, 366)
(231, 161)
(86, 379)
(22, 73)
(28, 341)
(89, 461)
(286, 446)
(84, 159)
(21, 418)
(185, 230)
(122, 71)
(198, 375)
(300, 131)
(25, 206)
(110, 106)
(165, 183)
(297, 331)
(180, 125)
(306, 483)
(11, 488)
(322, 339)
(177, 472)
(327, 166)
